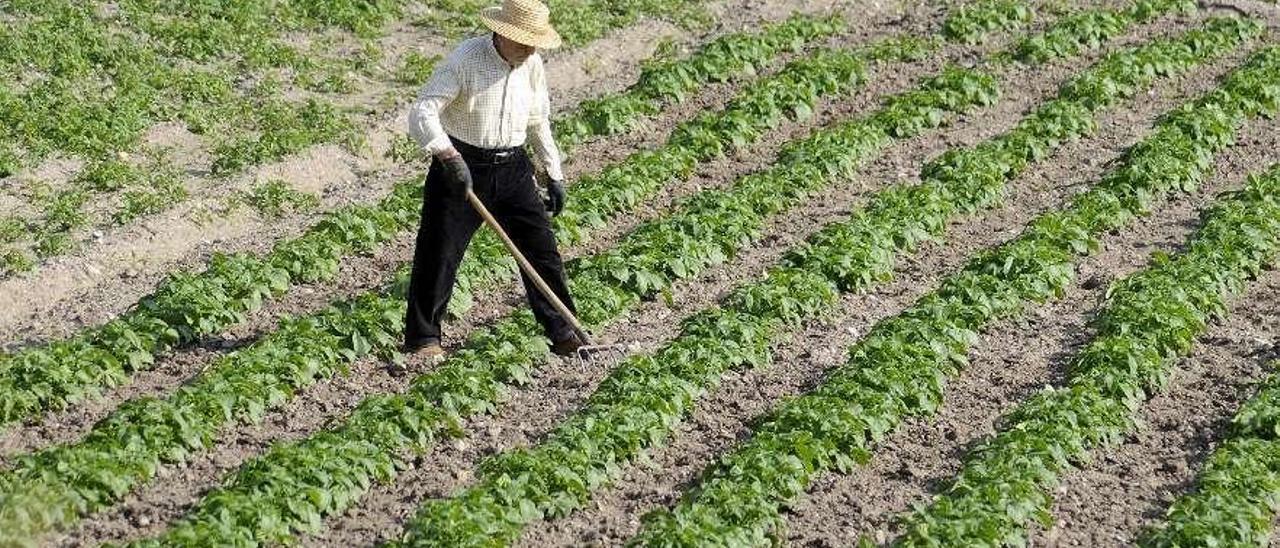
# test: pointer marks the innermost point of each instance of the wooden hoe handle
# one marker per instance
(528, 269)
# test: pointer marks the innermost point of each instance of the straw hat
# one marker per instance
(525, 21)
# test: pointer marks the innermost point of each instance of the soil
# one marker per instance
(1016, 357)
(333, 399)
(720, 420)
(1182, 425)
(1106, 502)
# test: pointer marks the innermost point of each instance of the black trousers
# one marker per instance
(507, 189)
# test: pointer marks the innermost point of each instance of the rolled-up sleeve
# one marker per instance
(541, 139)
(424, 116)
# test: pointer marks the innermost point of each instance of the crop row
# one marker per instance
(256, 504)
(641, 402)
(899, 368)
(190, 306)
(973, 22)
(1238, 490)
(1149, 318)
(669, 81)
(707, 229)
(124, 449)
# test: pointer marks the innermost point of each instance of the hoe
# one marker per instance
(589, 352)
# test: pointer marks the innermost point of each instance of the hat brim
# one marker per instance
(548, 39)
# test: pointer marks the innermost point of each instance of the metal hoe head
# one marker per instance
(601, 353)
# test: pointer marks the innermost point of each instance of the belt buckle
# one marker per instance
(502, 156)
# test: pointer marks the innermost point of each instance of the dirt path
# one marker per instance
(1015, 358)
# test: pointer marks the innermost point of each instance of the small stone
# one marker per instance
(1173, 467)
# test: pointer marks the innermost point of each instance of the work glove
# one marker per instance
(555, 197)
(457, 174)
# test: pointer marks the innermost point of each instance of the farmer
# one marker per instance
(474, 115)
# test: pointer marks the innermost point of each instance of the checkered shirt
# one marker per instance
(477, 97)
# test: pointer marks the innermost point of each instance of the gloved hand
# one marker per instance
(555, 197)
(457, 174)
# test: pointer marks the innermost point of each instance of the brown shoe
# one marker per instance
(423, 356)
(566, 347)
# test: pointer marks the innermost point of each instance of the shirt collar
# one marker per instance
(497, 57)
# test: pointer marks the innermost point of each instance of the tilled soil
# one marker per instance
(1128, 487)
(720, 421)
(1015, 358)
(332, 399)
(1019, 356)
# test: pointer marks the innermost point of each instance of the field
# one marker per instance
(961, 273)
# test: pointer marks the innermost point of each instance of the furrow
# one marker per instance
(1231, 499)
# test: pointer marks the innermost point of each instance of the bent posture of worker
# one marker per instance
(474, 115)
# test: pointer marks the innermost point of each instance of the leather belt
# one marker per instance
(491, 156)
